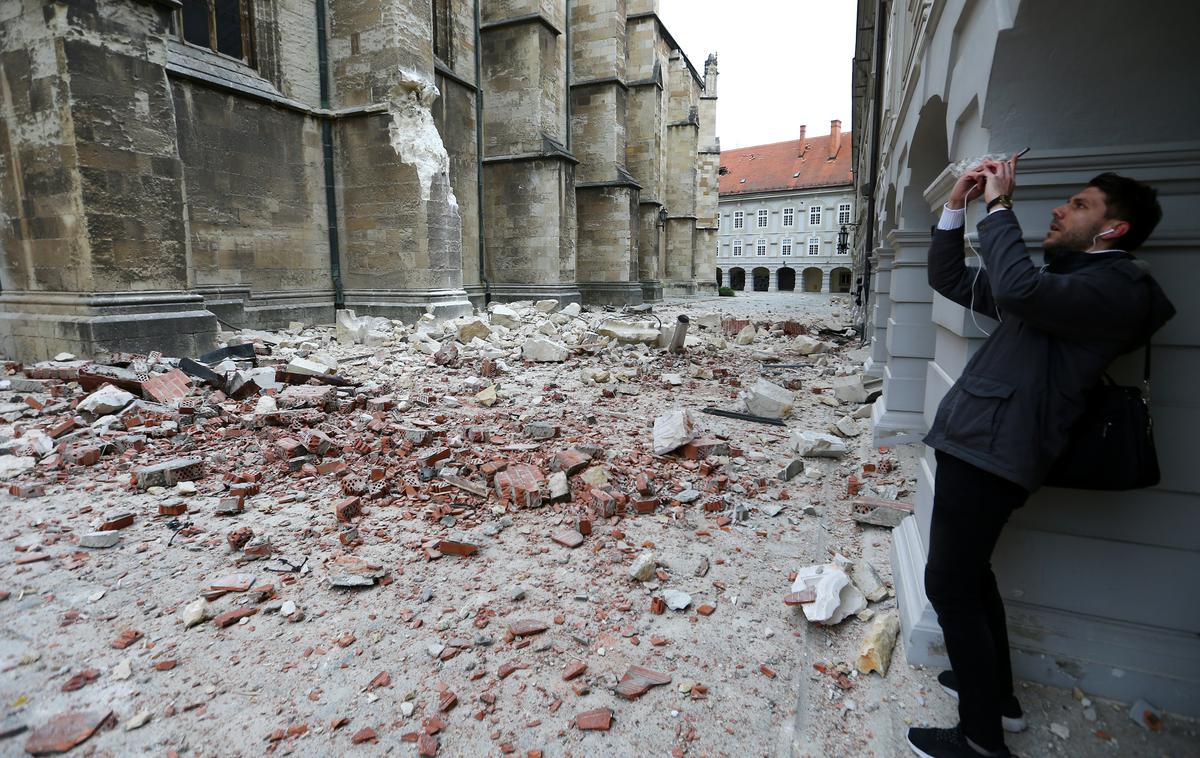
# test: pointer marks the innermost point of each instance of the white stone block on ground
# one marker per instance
(543, 350)
(349, 327)
(108, 399)
(642, 569)
(809, 444)
(807, 345)
(850, 389)
(570, 309)
(472, 328)
(768, 399)
(14, 465)
(672, 430)
(747, 335)
(847, 427)
(505, 316)
(629, 332)
(307, 367)
(546, 306)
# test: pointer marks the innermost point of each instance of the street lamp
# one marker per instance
(843, 236)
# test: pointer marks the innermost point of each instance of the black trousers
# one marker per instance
(970, 507)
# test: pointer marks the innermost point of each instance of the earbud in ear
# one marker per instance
(1106, 232)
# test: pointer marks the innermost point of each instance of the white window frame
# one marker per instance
(814, 245)
(814, 215)
(739, 220)
(760, 247)
(763, 215)
(785, 247)
(789, 217)
(737, 248)
(844, 210)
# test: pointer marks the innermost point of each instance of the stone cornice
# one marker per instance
(529, 18)
(600, 83)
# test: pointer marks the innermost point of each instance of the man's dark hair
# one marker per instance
(1130, 201)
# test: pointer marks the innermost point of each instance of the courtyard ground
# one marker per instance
(394, 585)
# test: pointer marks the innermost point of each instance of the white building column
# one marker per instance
(880, 309)
(898, 415)
(826, 279)
(773, 279)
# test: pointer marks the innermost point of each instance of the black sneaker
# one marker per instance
(1011, 718)
(948, 743)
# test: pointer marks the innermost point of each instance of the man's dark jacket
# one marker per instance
(1010, 411)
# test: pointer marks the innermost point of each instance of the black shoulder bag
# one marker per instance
(1111, 447)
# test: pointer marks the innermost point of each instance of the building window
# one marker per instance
(737, 248)
(762, 219)
(814, 215)
(761, 248)
(844, 213)
(789, 216)
(739, 219)
(443, 32)
(814, 246)
(223, 26)
(785, 247)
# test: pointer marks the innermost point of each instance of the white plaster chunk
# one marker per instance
(558, 485)
(672, 430)
(542, 350)
(747, 335)
(768, 399)
(815, 444)
(847, 427)
(867, 580)
(676, 600)
(266, 405)
(837, 597)
(349, 327)
(629, 332)
(108, 399)
(194, 612)
(413, 133)
(570, 309)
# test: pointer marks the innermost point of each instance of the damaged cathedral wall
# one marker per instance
(148, 183)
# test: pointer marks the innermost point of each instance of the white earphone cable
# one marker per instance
(978, 269)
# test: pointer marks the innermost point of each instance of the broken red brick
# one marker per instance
(527, 627)
(599, 719)
(767, 671)
(447, 701)
(125, 639)
(172, 509)
(347, 510)
(573, 669)
(507, 669)
(799, 598)
(31, 558)
(165, 665)
(450, 547)
(571, 461)
(567, 538)
(234, 583)
(116, 522)
(65, 731)
(658, 606)
(80, 679)
(366, 734)
(638, 680)
(164, 388)
(427, 745)
(706, 610)
(229, 618)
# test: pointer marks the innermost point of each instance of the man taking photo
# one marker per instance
(1006, 420)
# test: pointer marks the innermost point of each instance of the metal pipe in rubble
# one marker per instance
(681, 327)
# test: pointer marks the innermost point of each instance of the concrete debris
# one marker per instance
(672, 430)
(194, 613)
(12, 466)
(101, 539)
(866, 578)
(847, 427)
(808, 444)
(1061, 731)
(747, 335)
(1146, 716)
(767, 399)
(836, 597)
(108, 399)
(875, 653)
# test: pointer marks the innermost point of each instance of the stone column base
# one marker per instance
(409, 305)
(652, 290)
(477, 294)
(36, 326)
(611, 293)
(891, 427)
(239, 307)
(923, 642)
(679, 289)
(706, 289)
(563, 293)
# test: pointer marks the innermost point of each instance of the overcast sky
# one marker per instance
(782, 63)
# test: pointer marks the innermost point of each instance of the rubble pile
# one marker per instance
(374, 466)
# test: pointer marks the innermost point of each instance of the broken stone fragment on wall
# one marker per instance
(767, 399)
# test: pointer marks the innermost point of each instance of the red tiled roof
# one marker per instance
(782, 166)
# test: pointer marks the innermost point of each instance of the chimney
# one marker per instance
(803, 128)
(835, 138)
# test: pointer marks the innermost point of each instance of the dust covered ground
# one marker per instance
(414, 585)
